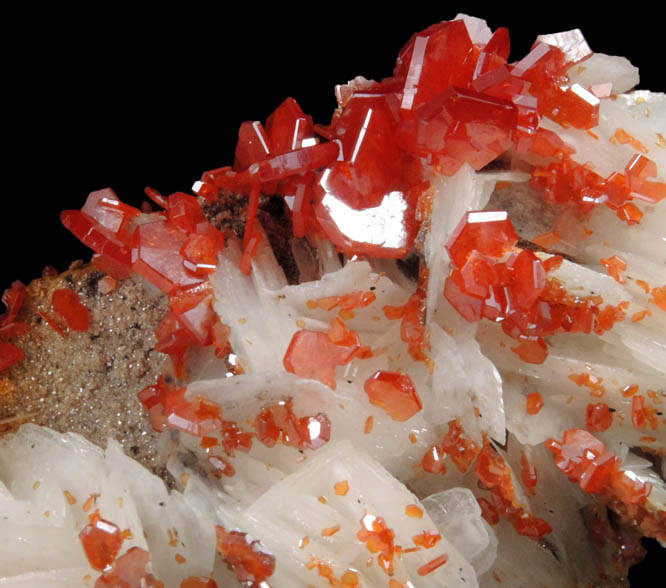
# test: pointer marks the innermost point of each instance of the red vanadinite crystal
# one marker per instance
(378, 538)
(528, 473)
(614, 266)
(279, 420)
(394, 393)
(129, 571)
(13, 298)
(67, 304)
(488, 232)
(251, 563)
(9, 355)
(495, 475)
(431, 566)
(101, 541)
(461, 449)
(659, 297)
(433, 461)
(312, 354)
(586, 460)
(516, 292)
(412, 324)
(427, 540)
(599, 417)
(638, 417)
(534, 403)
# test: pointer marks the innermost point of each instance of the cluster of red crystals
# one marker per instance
(495, 475)
(586, 460)
(101, 541)
(565, 181)
(278, 422)
(129, 571)
(379, 538)
(316, 354)
(346, 304)
(449, 101)
(168, 407)
(12, 298)
(412, 321)
(642, 414)
(460, 448)
(593, 383)
(394, 393)
(68, 306)
(348, 579)
(175, 249)
(250, 561)
(516, 292)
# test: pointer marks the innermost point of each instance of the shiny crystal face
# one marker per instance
(523, 355)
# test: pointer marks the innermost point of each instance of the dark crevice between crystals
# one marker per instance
(409, 266)
(228, 212)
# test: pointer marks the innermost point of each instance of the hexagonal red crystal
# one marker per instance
(394, 393)
(312, 354)
(287, 127)
(101, 542)
(489, 232)
(438, 57)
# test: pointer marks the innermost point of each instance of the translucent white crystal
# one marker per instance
(458, 517)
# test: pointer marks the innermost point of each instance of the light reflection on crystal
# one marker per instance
(382, 225)
(414, 73)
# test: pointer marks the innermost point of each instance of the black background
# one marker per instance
(127, 99)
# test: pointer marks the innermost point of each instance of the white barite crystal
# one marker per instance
(458, 517)
(478, 29)
(602, 69)
(292, 509)
(37, 466)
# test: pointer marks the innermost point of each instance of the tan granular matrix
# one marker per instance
(87, 382)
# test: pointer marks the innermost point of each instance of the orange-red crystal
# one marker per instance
(249, 560)
(394, 393)
(101, 541)
(586, 460)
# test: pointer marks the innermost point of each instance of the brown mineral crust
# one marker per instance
(87, 382)
(228, 213)
(650, 521)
